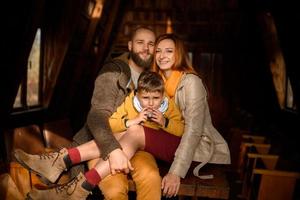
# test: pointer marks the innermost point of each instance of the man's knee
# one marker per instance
(115, 187)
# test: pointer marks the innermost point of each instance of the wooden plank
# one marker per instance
(253, 160)
(254, 138)
(276, 184)
(279, 173)
(218, 187)
(188, 185)
(269, 160)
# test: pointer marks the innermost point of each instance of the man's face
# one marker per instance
(150, 100)
(141, 48)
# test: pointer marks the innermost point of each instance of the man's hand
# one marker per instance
(170, 185)
(119, 162)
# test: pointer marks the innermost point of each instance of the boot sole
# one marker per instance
(42, 178)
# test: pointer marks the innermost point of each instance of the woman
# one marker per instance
(200, 142)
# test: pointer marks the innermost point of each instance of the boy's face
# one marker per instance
(150, 99)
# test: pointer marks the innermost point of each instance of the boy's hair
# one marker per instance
(150, 82)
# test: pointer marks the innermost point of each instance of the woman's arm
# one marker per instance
(193, 94)
(193, 102)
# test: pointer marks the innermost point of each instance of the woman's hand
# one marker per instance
(170, 185)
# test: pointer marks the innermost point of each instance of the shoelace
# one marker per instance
(66, 186)
(51, 155)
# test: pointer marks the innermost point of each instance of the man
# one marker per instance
(113, 84)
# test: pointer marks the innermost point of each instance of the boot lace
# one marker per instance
(66, 186)
(49, 156)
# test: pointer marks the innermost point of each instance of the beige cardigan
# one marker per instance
(200, 142)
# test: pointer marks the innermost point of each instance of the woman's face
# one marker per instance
(165, 54)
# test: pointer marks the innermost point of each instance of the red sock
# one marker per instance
(74, 155)
(92, 177)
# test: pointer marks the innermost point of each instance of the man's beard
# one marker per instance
(139, 61)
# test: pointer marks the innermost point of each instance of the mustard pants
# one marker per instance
(145, 175)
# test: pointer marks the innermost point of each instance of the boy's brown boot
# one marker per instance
(48, 166)
(76, 189)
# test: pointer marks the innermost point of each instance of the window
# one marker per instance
(29, 90)
(290, 104)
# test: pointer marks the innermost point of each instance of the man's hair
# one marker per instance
(138, 28)
(150, 82)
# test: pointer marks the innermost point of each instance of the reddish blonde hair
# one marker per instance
(182, 62)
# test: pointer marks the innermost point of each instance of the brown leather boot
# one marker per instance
(76, 189)
(48, 166)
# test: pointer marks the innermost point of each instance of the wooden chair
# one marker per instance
(246, 148)
(239, 144)
(264, 181)
(275, 184)
(254, 138)
(255, 160)
(30, 139)
(57, 134)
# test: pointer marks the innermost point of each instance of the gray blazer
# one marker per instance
(200, 142)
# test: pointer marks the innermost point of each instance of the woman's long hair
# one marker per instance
(182, 61)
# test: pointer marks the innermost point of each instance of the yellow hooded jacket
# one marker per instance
(127, 111)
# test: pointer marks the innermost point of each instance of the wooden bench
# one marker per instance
(275, 184)
(246, 148)
(264, 181)
(254, 160)
(240, 142)
(216, 188)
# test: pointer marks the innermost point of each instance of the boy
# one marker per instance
(148, 106)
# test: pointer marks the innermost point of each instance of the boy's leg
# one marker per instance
(115, 187)
(146, 176)
(112, 187)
